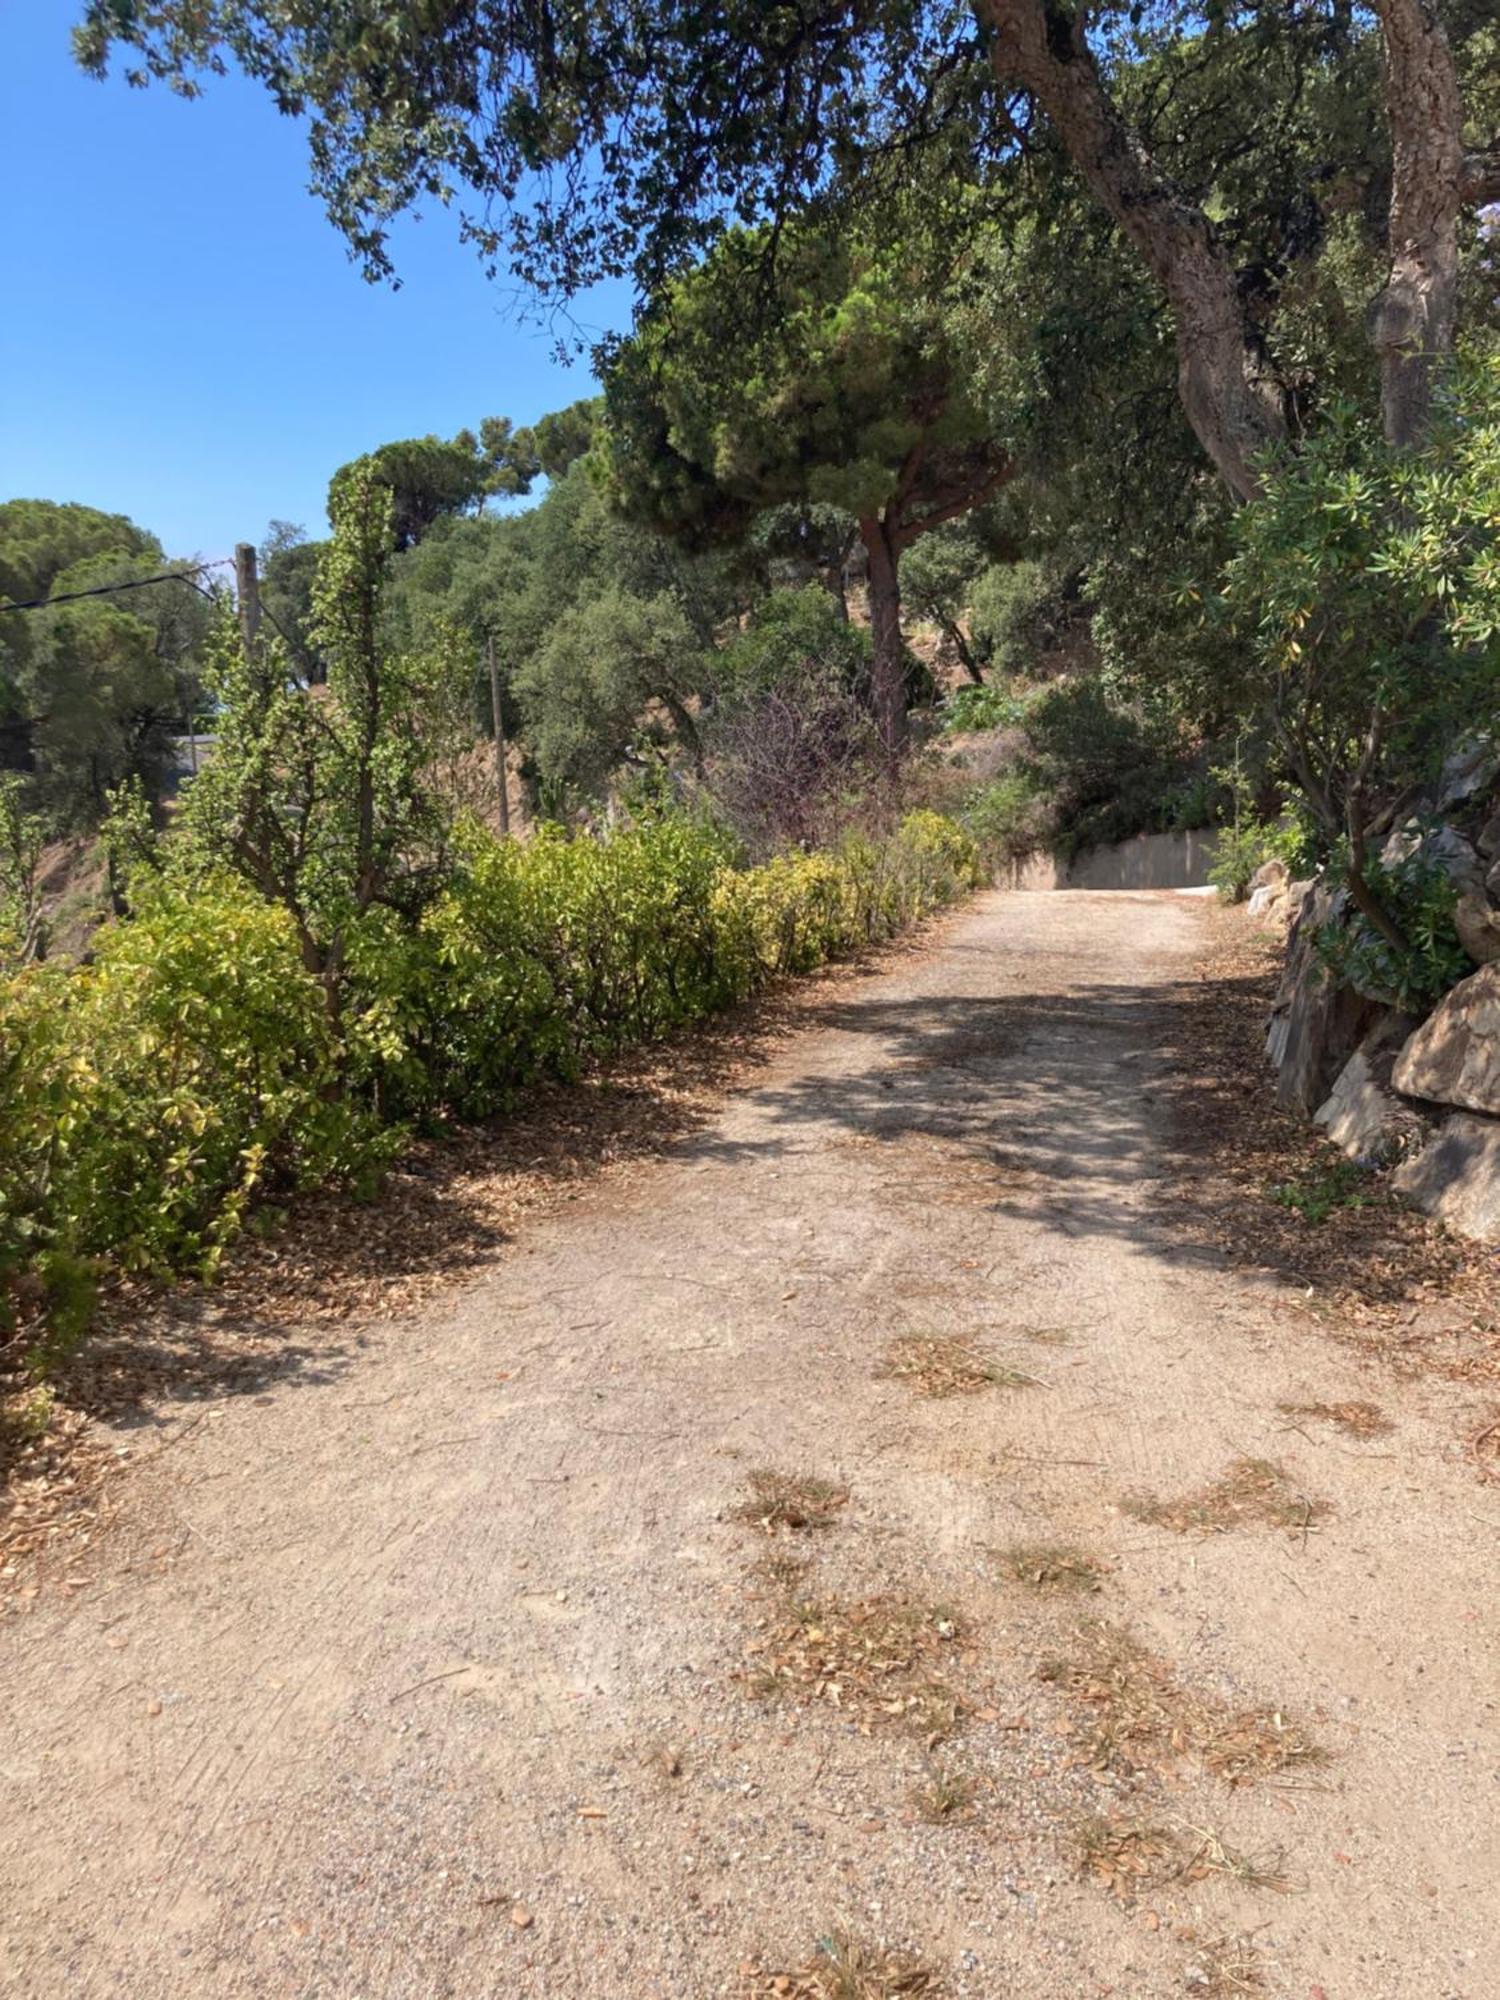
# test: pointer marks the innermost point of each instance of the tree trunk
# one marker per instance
(1412, 322)
(1227, 396)
(888, 668)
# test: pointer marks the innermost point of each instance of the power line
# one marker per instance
(109, 589)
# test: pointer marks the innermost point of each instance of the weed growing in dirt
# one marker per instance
(877, 1660)
(937, 1364)
(945, 1795)
(1225, 1969)
(1211, 1854)
(792, 1502)
(1056, 1566)
(1252, 1493)
(1135, 1715)
(846, 1968)
(1317, 1191)
(1356, 1420)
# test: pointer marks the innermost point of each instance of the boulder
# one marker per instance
(1454, 1057)
(1316, 1024)
(1469, 771)
(1477, 922)
(1489, 837)
(1443, 844)
(1457, 1176)
(1362, 1113)
(1268, 900)
(1492, 883)
(1271, 875)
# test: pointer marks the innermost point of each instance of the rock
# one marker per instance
(1442, 844)
(1478, 925)
(1457, 1176)
(1468, 771)
(1362, 1113)
(1271, 874)
(1316, 1024)
(1489, 837)
(1492, 883)
(1454, 1057)
(1268, 900)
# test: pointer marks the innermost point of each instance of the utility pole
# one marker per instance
(501, 790)
(247, 592)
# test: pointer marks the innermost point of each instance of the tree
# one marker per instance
(624, 138)
(324, 799)
(431, 476)
(91, 691)
(843, 390)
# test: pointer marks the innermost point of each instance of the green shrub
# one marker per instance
(1420, 896)
(1006, 818)
(146, 1099)
(995, 705)
(1244, 848)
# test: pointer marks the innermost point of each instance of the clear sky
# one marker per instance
(182, 336)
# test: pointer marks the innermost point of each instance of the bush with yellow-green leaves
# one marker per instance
(148, 1096)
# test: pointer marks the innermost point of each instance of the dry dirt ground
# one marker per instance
(475, 1661)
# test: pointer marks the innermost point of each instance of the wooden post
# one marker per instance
(247, 592)
(501, 789)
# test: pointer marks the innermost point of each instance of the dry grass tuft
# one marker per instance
(946, 1795)
(846, 1968)
(873, 1659)
(1225, 1969)
(1211, 1854)
(940, 1364)
(1051, 1566)
(1046, 1336)
(792, 1502)
(1253, 1493)
(1138, 1716)
(1130, 1856)
(1356, 1420)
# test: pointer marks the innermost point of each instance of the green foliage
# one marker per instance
(146, 1096)
(1007, 818)
(326, 801)
(1367, 582)
(429, 477)
(149, 1097)
(93, 691)
(1419, 895)
(997, 704)
(1111, 769)
(22, 929)
(1320, 1189)
(1244, 846)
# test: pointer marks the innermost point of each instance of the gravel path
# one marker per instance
(434, 1677)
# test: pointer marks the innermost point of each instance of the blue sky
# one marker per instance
(183, 337)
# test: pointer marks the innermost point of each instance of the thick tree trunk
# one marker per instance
(888, 668)
(1229, 400)
(1412, 322)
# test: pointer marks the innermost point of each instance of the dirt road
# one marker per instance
(456, 1672)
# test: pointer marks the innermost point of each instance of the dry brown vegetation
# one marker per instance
(1135, 1715)
(882, 1661)
(790, 1502)
(1251, 1493)
(938, 1364)
(846, 1968)
(945, 1795)
(1056, 1566)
